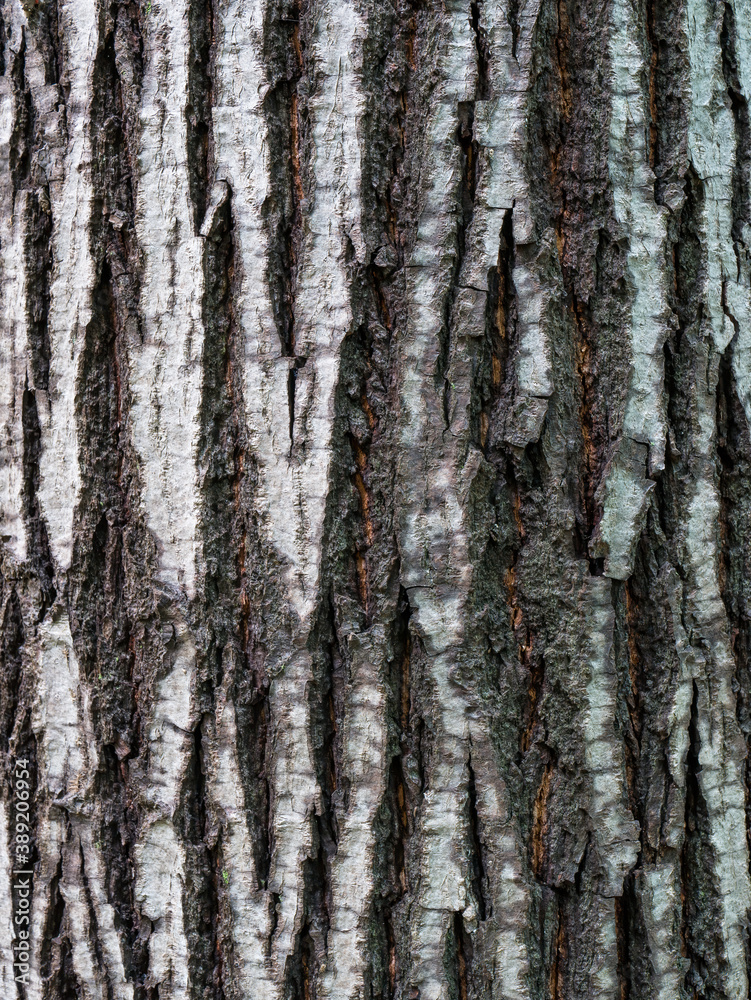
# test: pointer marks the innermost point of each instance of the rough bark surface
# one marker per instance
(375, 480)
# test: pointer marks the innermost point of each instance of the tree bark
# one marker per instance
(375, 475)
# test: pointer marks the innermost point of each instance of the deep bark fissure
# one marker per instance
(687, 309)
(101, 624)
(668, 84)
(492, 379)
(624, 601)
(457, 959)
(742, 122)
(54, 64)
(53, 930)
(22, 136)
(593, 442)
(622, 927)
(331, 672)
(481, 44)
(301, 969)
(11, 665)
(44, 22)
(477, 863)
(200, 100)
(38, 251)
(38, 540)
(285, 106)
(734, 467)
(117, 839)
(109, 585)
(64, 982)
(393, 823)
(592, 261)
(230, 539)
(97, 574)
(560, 954)
(201, 911)
(3, 42)
(252, 711)
(696, 976)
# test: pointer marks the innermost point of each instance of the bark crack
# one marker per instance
(742, 122)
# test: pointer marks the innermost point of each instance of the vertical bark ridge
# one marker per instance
(579, 864)
(736, 60)
(503, 129)
(500, 185)
(165, 368)
(734, 449)
(519, 306)
(657, 662)
(73, 278)
(204, 880)
(628, 448)
(393, 823)
(236, 834)
(353, 779)
(249, 905)
(436, 594)
(12, 240)
(592, 262)
(285, 104)
(281, 475)
(380, 649)
(164, 381)
(160, 853)
(25, 262)
(213, 880)
(642, 220)
(101, 649)
(721, 778)
(110, 539)
(67, 762)
(657, 677)
(360, 564)
(241, 83)
(68, 749)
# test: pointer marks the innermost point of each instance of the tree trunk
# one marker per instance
(375, 396)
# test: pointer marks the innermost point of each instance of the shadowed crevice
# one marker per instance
(740, 110)
(287, 37)
(477, 863)
(457, 959)
(198, 109)
(38, 254)
(200, 897)
(395, 822)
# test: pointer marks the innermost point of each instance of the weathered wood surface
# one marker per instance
(375, 476)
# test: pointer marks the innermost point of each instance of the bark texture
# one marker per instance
(375, 478)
